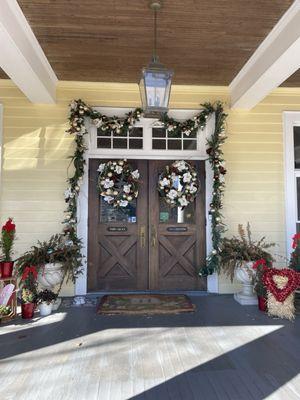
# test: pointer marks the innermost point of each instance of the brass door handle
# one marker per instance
(153, 236)
(143, 236)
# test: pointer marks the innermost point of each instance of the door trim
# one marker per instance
(82, 229)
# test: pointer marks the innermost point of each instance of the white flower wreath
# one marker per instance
(118, 183)
(178, 184)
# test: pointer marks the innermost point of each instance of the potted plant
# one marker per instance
(45, 300)
(28, 303)
(8, 233)
(54, 260)
(5, 311)
(237, 256)
(28, 286)
(260, 266)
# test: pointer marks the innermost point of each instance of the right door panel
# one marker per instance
(177, 238)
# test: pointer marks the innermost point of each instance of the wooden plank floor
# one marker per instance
(222, 352)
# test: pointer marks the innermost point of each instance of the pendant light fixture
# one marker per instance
(155, 83)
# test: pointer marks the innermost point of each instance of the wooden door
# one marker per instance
(150, 248)
(117, 242)
(177, 237)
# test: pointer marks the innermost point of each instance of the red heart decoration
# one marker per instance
(291, 285)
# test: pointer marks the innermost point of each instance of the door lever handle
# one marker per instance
(143, 236)
(153, 236)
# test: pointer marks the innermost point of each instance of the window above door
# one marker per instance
(148, 139)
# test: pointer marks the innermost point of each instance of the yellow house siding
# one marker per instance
(36, 147)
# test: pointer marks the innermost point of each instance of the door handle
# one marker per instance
(153, 236)
(143, 236)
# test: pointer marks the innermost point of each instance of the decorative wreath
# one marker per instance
(118, 183)
(281, 293)
(178, 184)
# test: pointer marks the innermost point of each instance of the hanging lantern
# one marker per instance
(155, 83)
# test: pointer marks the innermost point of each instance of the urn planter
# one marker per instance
(245, 275)
(50, 275)
(7, 269)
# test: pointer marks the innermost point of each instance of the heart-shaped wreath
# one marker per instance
(178, 184)
(118, 183)
(281, 294)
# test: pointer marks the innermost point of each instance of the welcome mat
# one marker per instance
(145, 304)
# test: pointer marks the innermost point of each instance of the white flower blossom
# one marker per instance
(118, 169)
(97, 122)
(135, 174)
(68, 193)
(165, 182)
(73, 105)
(101, 167)
(181, 165)
(193, 189)
(126, 188)
(123, 203)
(187, 177)
(108, 199)
(183, 201)
(108, 183)
(172, 194)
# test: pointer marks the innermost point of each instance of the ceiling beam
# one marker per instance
(277, 58)
(21, 56)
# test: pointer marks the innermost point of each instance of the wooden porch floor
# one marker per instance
(223, 351)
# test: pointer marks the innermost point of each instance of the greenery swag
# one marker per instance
(79, 110)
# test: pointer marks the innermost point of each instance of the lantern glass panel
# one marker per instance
(155, 87)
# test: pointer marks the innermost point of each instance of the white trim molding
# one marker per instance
(1, 148)
(22, 58)
(290, 120)
(93, 152)
(277, 58)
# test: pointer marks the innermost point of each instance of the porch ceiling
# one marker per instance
(205, 42)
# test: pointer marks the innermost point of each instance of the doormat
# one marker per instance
(145, 304)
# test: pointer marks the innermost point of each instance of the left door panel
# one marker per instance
(117, 241)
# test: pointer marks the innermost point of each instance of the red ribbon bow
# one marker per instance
(29, 270)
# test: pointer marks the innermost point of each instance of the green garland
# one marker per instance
(79, 110)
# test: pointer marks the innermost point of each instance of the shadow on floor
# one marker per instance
(253, 370)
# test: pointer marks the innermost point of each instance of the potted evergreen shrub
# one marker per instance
(237, 256)
(8, 233)
(54, 260)
(45, 300)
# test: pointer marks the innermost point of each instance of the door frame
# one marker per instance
(200, 154)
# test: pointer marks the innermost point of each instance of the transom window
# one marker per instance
(132, 139)
(161, 140)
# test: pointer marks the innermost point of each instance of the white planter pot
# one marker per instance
(245, 275)
(50, 275)
(45, 309)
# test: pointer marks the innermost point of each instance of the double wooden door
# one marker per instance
(148, 246)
